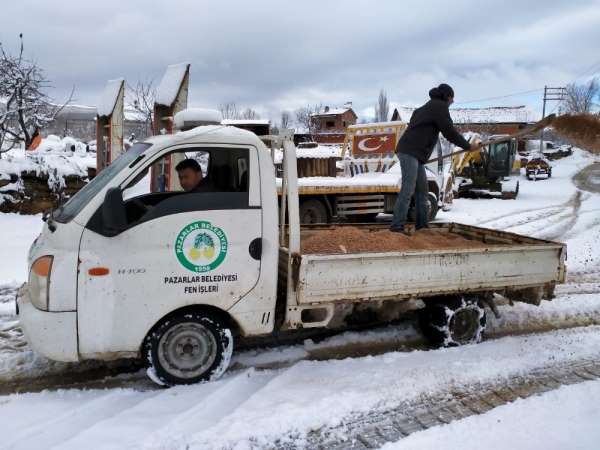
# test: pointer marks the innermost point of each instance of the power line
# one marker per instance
(594, 68)
(516, 94)
(590, 70)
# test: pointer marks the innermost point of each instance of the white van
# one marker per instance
(128, 269)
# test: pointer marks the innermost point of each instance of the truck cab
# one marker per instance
(119, 257)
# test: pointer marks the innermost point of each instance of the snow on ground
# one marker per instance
(17, 232)
(566, 418)
(251, 407)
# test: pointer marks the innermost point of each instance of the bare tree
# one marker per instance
(141, 99)
(580, 97)
(229, 110)
(303, 116)
(382, 108)
(27, 108)
(305, 120)
(249, 114)
(285, 119)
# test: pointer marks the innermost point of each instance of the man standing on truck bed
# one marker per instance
(414, 150)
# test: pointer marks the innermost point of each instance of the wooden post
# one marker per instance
(109, 124)
(171, 97)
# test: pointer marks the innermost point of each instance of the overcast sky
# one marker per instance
(276, 55)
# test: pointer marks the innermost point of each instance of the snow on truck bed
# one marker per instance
(389, 180)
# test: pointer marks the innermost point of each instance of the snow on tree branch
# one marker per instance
(25, 108)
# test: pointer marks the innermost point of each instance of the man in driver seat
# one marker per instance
(190, 176)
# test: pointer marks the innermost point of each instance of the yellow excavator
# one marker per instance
(489, 171)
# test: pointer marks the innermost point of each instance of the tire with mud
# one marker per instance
(188, 348)
(313, 211)
(432, 209)
(453, 320)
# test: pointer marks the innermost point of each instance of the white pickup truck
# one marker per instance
(178, 277)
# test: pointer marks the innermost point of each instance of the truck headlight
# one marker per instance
(39, 282)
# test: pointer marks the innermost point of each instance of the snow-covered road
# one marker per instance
(282, 394)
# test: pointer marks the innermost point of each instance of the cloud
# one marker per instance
(272, 56)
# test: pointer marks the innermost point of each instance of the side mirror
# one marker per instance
(113, 211)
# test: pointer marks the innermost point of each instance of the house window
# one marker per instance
(330, 124)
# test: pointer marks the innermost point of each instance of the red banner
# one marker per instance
(373, 144)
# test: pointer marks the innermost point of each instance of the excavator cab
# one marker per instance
(501, 157)
(485, 174)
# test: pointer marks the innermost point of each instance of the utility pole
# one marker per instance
(551, 94)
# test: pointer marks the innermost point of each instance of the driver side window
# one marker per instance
(187, 180)
(163, 175)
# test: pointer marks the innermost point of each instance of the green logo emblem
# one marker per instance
(201, 247)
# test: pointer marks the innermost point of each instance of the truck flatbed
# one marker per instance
(455, 258)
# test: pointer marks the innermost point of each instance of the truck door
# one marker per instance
(177, 248)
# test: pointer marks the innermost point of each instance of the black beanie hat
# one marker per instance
(443, 92)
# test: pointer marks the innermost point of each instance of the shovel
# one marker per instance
(538, 126)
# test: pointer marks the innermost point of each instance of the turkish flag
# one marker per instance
(373, 144)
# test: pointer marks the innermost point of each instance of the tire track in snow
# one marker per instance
(54, 430)
(518, 213)
(207, 413)
(373, 430)
(170, 412)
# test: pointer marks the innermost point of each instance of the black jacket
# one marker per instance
(422, 132)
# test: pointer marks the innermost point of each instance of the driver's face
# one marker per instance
(189, 178)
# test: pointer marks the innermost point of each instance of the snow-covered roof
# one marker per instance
(320, 152)
(133, 115)
(79, 112)
(301, 130)
(331, 112)
(170, 83)
(245, 122)
(493, 114)
(110, 96)
(376, 125)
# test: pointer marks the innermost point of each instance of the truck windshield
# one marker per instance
(76, 203)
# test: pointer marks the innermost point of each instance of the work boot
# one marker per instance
(400, 230)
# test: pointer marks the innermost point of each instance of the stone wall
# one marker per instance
(31, 193)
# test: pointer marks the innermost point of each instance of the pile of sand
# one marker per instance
(582, 129)
(357, 240)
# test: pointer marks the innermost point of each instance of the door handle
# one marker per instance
(255, 248)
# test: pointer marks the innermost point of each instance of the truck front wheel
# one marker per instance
(187, 349)
(453, 320)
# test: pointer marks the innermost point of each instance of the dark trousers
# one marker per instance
(414, 182)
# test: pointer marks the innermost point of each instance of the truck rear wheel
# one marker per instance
(313, 211)
(187, 349)
(453, 320)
